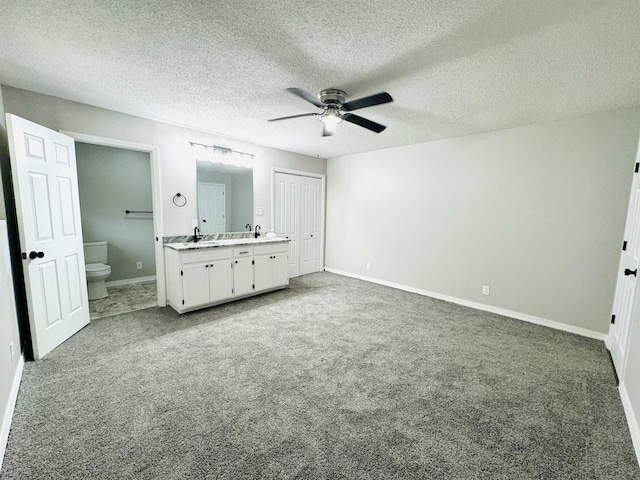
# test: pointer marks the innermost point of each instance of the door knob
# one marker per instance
(631, 272)
(34, 255)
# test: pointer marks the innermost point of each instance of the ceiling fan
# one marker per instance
(335, 109)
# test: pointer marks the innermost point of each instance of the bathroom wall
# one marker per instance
(10, 351)
(177, 158)
(537, 213)
(112, 180)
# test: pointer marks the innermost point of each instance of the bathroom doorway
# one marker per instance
(116, 206)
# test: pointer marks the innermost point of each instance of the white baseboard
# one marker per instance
(130, 281)
(480, 306)
(632, 419)
(8, 413)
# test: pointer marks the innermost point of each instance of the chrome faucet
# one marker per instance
(256, 231)
(248, 226)
(196, 234)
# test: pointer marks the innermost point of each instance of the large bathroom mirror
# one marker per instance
(225, 197)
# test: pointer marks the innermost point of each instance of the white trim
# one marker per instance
(130, 281)
(632, 419)
(300, 173)
(156, 196)
(8, 413)
(481, 306)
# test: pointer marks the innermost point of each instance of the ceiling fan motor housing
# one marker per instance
(333, 97)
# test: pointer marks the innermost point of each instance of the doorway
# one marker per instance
(156, 216)
(116, 211)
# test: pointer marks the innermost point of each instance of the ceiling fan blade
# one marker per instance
(370, 101)
(328, 130)
(363, 122)
(306, 96)
(293, 116)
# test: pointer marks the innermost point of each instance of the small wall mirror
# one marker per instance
(225, 197)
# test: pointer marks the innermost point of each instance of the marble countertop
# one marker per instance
(223, 243)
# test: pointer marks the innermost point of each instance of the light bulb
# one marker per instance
(331, 117)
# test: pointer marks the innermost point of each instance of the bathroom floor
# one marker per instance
(123, 299)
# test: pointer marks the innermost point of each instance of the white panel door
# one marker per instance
(211, 207)
(298, 217)
(627, 280)
(45, 183)
(287, 216)
(310, 213)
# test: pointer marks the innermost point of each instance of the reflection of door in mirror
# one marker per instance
(211, 208)
(236, 207)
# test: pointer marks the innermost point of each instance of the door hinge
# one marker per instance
(613, 319)
(232, 291)
(624, 246)
(183, 302)
(181, 272)
(253, 286)
(637, 167)
(253, 262)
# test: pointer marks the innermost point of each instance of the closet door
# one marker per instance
(310, 212)
(287, 216)
(298, 217)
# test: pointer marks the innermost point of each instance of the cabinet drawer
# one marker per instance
(205, 255)
(244, 251)
(279, 247)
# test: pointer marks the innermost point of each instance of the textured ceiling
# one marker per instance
(453, 67)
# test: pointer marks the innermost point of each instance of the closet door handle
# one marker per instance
(33, 255)
(631, 272)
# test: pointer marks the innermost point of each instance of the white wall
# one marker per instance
(110, 181)
(10, 362)
(537, 213)
(177, 158)
(3, 128)
(10, 365)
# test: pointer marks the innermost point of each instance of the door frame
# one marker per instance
(156, 197)
(301, 173)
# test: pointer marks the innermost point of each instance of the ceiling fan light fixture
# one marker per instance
(331, 117)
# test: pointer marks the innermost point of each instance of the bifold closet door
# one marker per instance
(297, 216)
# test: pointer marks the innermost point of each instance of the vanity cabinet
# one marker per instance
(201, 277)
(271, 266)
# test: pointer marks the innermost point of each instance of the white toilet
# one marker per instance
(95, 259)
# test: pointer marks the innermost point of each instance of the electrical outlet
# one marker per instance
(486, 290)
(139, 265)
(11, 350)
(368, 266)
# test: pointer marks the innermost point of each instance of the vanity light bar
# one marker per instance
(221, 150)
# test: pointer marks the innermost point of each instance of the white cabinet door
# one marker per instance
(242, 276)
(195, 284)
(279, 270)
(262, 272)
(45, 183)
(220, 280)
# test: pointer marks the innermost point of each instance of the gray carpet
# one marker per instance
(331, 378)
